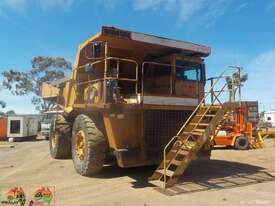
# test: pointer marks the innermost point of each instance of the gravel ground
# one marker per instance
(229, 178)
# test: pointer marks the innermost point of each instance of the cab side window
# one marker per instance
(188, 71)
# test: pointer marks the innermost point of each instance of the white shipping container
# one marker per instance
(270, 117)
(20, 126)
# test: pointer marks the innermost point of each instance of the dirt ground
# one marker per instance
(229, 178)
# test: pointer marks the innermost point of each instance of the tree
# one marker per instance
(10, 112)
(2, 104)
(44, 69)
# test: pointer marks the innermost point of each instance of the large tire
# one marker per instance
(241, 143)
(60, 139)
(89, 159)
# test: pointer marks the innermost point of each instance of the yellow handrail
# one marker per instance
(190, 117)
(105, 78)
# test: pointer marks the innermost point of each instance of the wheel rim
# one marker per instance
(80, 145)
(242, 142)
(53, 139)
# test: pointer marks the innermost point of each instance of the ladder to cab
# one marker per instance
(200, 129)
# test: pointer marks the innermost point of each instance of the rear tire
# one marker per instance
(88, 146)
(241, 143)
(60, 139)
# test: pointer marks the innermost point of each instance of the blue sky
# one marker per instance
(239, 32)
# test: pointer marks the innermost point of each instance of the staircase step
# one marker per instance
(193, 133)
(206, 115)
(196, 130)
(176, 162)
(199, 130)
(183, 152)
(180, 151)
(212, 106)
(157, 183)
(199, 124)
(173, 162)
(169, 173)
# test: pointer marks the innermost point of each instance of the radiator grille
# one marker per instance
(159, 127)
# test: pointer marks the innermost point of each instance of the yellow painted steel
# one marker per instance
(123, 129)
(186, 123)
(259, 138)
(80, 47)
(258, 142)
(49, 91)
(80, 145)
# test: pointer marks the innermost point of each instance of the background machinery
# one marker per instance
(240, 130)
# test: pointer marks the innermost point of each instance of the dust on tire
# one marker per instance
(241, 143)
(95, 146)
(62, 147)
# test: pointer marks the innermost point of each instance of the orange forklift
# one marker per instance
(239, 129)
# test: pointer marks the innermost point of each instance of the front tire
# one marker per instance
(60, 139)
(241, 143)
(88, 146)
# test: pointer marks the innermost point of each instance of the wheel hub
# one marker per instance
(242, 142)
(80, 145)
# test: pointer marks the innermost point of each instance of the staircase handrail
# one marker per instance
(188, 120)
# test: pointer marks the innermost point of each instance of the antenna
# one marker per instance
(235, 82)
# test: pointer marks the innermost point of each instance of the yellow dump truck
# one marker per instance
(128, 95)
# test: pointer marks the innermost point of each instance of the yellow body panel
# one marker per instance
(123, 129)
(49, 91)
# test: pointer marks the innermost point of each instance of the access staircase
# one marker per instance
(199, 130)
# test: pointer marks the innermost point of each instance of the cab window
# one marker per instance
(188, 71)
